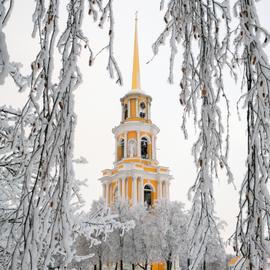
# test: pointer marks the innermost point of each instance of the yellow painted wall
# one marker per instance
(144, 161)
(126, 187)
(158, 266)
(111, 190)
(132, 135)
(132, 100)
(130, 188)
(138, 187)
(149, 150)
(128, 184)
(150, 169)
(120, 153)
(133, 107)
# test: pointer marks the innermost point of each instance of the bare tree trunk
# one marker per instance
(169, 265)
(116, 265)
(204, 264)
(100, 264)
(146, 265)
(121, 264)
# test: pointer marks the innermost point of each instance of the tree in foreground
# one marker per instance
(253, 225)
(202, 26)
(37, 177)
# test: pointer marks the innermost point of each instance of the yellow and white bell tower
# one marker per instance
(136, 176)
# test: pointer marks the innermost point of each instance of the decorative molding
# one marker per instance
(135, 173)
(149, 184)
(135, 126)
(132, 94)
(149, 141)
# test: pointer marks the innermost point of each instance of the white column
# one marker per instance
(138, 144)
(142, 191)
(163, 190)
(167, 190)
(123, 188)
(148, 111)
(134, 190)
(126, 145)
(126, 183)
(119, 187)
(139, 190)
(153, 147)
(159, 190)
(129, 108)
(104, 191)
(116, 146)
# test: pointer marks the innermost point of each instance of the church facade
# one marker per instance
(136, 175)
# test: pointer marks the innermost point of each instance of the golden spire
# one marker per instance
(136, 83)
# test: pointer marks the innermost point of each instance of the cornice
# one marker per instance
(137, 173)
(135, 126)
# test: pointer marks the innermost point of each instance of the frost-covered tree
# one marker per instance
(116, 240)
(144, 245)
(215, 255)
(160, 234)
(202, 28)
(96, 235)
(171, 231)
(132, 236)
(36, 161)
(132, 252)
(91, 245)
(253, 224)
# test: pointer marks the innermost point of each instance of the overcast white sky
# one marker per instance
(98, 106)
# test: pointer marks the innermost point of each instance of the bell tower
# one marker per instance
(136, 175)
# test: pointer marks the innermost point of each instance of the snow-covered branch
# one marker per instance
(197, 24)
(106, 11)
(253, 227)
(36, 143)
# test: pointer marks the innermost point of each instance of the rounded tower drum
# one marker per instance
(136, 176)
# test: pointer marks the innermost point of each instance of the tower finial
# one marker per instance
(136, 83)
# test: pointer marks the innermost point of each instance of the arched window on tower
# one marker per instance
(144, 148)
(142, 110)
(125, 111)
(121, 149)
(148, 195)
